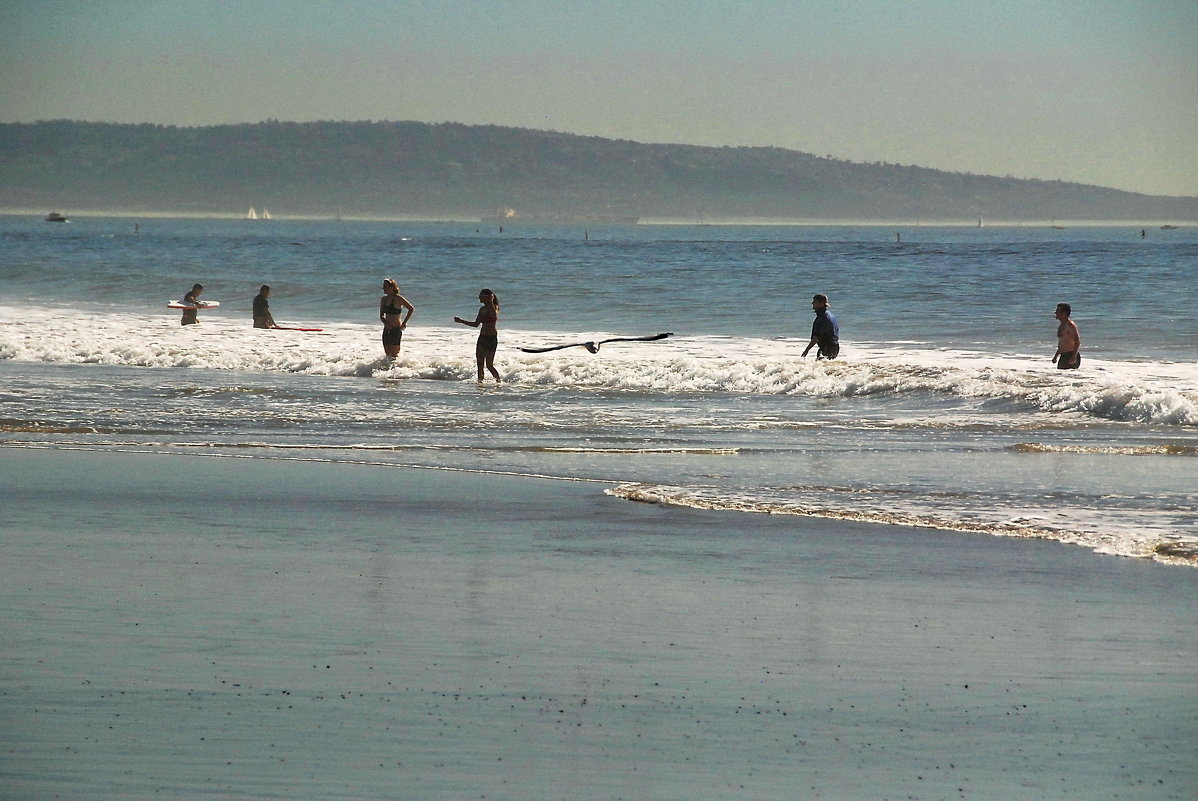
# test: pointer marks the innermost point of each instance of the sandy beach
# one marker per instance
(176, 626)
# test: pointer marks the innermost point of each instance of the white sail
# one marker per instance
(253, 215)
(265, 214)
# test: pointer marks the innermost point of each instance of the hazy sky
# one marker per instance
(1097, 91)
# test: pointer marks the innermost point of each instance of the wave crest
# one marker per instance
(953, 512)
(1123, 391)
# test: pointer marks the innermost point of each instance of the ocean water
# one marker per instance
(943, 411)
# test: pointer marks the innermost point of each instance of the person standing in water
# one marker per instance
(262, 315)
(192, 298)
(1069, 341)
(487, 321)
(825, 331)
(391, 308)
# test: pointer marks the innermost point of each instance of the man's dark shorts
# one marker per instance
(830, 351)
(1070, 360)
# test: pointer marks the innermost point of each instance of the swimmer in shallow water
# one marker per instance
(391, 307)
(825, 331)
(262, 315)
(192, 298)
(1069, 340)
(487, 321)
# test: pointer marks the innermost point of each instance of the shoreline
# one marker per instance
(648, 221)
(1167, 553)
(301, 629)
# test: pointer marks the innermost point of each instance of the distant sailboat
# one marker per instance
(253, 215)
(265, 214)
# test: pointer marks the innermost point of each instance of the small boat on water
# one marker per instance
(54, 216)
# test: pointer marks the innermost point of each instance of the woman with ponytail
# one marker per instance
(487, 321)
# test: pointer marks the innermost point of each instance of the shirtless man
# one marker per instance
(1069, 341)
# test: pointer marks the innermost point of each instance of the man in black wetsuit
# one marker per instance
(825, 331)
(262, 315)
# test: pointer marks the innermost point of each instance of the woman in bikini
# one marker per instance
(486, 321)
(394, 321)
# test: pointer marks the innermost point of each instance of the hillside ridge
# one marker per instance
(454, 170)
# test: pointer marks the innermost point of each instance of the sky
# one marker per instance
(1095, 91)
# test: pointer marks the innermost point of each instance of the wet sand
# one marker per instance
(180, 627)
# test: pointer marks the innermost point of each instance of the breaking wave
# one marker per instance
(1151, 535)
(1156, 393)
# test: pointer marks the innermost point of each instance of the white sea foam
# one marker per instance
(1161, 393)
(1147, 533)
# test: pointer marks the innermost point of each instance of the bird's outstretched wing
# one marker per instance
(653, 338)
(593, 347)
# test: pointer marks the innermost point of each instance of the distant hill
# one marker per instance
(448, 170)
